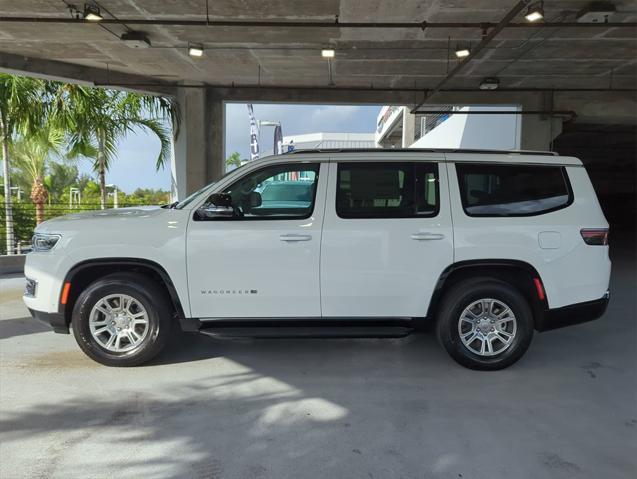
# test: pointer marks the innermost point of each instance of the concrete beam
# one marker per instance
(318, 95)
(90, 76)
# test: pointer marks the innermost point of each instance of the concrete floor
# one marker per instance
(322, 408)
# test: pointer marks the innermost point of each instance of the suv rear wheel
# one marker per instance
(484, 324)
(122, 319)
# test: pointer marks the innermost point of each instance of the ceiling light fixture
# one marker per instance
(328, 53)
(490, 83)
(535, 12)
(462, 52)
(195, 50)
(92, 13)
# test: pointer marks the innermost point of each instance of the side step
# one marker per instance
(309, 332)
(307, 329)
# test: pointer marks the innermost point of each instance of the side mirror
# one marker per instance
(218, 206)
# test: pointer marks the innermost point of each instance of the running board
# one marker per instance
(274, 332)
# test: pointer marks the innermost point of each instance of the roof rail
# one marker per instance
(422, 150)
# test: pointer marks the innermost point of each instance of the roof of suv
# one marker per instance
(497, 156)
(422, 150)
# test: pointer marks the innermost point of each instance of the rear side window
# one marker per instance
(512, 190)
(387, 190)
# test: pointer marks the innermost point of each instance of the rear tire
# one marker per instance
(484, 324)
(123, 319)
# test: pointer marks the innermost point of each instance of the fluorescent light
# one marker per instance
(462, 52)
(534, 16)
(92, 13)
(195, 50)
(535, 12)
(327, 53)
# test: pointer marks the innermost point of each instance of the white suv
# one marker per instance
(489, 245)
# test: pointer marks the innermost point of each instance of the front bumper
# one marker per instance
(55, 320)
(572, 314)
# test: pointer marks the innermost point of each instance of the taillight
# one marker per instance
(595, 236)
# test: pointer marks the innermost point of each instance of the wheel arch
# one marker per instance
(85, 272)
(519, 274)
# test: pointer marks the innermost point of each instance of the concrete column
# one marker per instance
(539, 131)
(409, 127)
(198, 156)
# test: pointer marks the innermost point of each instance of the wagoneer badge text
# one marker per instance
(230, 291)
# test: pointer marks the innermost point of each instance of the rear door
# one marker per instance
(387, 236)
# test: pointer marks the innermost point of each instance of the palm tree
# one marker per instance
(31, 154)
(21, 109)
(97, 119)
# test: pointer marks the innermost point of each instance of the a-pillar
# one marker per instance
(198, 157)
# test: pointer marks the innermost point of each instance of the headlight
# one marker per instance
(44, 242)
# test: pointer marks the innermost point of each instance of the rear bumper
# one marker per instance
(572, 314)
(55, 320)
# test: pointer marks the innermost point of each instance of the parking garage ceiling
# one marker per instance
(377, 44)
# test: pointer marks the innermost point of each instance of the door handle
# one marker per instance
(427, 236)
(295, 237)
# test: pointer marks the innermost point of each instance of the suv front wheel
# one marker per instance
(122, 319)
(485, 324)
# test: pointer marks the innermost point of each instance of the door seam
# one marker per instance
(320, 258)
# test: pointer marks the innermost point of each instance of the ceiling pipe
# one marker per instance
(308, 24)
(363, 89)
(517, 8)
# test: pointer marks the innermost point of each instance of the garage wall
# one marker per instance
(609, 153)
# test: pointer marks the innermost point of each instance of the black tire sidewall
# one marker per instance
(144, 292)
(466, 293)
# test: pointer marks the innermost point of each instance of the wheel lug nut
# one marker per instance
(492, 329)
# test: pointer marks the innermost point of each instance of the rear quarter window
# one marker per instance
(512, 190)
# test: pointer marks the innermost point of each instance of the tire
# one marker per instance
(480, 301)
(145, 321)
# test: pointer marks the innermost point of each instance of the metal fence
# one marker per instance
(24, 220)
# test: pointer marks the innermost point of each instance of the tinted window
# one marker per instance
(512, 190)
(276, 192)
(387, 190)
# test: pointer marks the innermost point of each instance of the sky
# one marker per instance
(137, 154)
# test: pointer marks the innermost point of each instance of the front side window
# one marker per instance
(285, 191)
(387, 190)
(512, 190)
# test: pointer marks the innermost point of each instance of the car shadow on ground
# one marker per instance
(21, 327)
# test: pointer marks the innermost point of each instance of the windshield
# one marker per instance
(186, 201)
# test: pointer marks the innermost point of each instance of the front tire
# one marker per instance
(123, 319)
(484, 324)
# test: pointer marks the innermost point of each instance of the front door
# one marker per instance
(387, 237)
(262, 260)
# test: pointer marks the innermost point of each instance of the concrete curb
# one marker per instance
(12, 264)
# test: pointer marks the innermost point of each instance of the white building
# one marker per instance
(328, 140)
(398, 128)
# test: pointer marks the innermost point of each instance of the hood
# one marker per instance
(135, 212)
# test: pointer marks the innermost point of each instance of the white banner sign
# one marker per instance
(254, 135)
